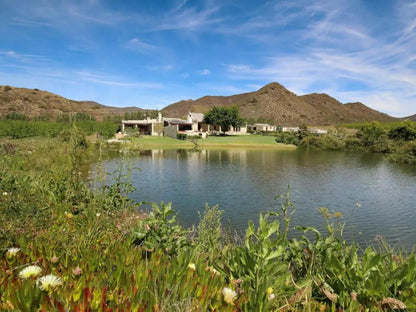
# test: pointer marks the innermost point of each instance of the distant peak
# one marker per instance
(273, 85)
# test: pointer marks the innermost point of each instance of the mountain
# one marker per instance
(37, 103)
(412, 118)
(275, 104)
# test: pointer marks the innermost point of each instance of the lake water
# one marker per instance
(246, 182)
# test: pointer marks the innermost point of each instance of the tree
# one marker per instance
(406, 130)
(224, 117)
(370, 133)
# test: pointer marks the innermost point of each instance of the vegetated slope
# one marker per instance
(37, 103)
(412, 118)
(276, 104)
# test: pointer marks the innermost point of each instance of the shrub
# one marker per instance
(209, 228)
(181, 136)
(406, 130)
(287, 138)
(370, 132)
(16, 116)
(323, 142)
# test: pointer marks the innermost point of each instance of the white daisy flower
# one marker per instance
(30, 271)
(49, 282)
(229, 295)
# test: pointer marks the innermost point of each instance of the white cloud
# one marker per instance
(188, 19)
(204, 72)
(114, 81)
(140, 46)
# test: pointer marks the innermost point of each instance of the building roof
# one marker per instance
(176, 121)
(198, 117)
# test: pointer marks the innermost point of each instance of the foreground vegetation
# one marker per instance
(70, 243)
(395, 139)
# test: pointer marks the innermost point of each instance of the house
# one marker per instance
(146, 126)
(318, 131)
(197, 122)
(263, 127)
(290, 129)
(192, 125)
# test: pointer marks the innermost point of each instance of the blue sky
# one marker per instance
(153, 53)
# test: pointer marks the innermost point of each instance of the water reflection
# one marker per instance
(246, 182)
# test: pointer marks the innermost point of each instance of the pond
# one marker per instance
(376, 197)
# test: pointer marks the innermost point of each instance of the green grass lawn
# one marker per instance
(231, 141)
(243, 141)
(149, 142)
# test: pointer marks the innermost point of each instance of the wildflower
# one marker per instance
(49, 282)
(11, 252)
(54, 259)
(98, 215)
(5, 193)
(213, 270)
(77, 271)
(270, 293)
(229, 295)
(69, 215)
(192, 266)
(30, 271)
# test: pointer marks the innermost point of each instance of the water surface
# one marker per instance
(246, 182)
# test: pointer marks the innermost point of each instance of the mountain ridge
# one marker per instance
(272, 103)
(275, 103)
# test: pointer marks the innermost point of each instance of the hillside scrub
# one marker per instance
(18, 129)
(396, 140)
(71, 242)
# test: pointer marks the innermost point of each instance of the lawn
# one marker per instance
(150, 142)
(243, 141)
(229, 141)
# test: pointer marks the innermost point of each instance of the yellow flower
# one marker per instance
(49, 282)
(11, 252)
(229, 295)
(69, 215)
(269, 290)
(192, 266)
(30, 271)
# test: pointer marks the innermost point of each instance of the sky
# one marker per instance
(151, 54)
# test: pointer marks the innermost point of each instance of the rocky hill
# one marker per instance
(273, 103)
(276, 104)
(36, 103)
(412, 118)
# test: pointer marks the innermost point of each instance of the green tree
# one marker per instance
(406, 130)
(370, 133)
(224, 117)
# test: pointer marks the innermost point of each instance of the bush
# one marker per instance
(287, 138)
(209, 228)
(16, 116)
(181, 136)
(406, 130)
(324, 142)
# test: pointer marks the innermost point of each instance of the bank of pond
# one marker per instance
(68, 246)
